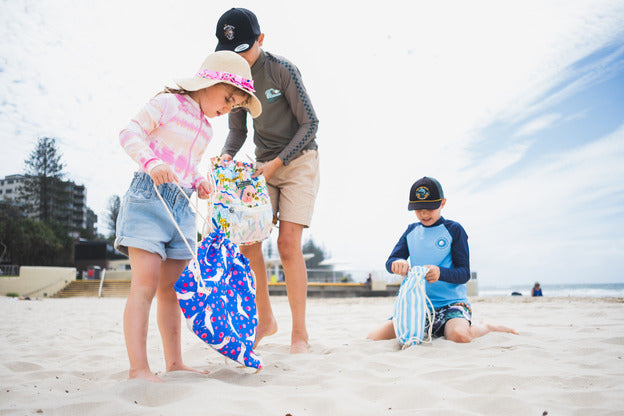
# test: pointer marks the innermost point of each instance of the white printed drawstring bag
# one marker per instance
(242, 207)
(413, 311)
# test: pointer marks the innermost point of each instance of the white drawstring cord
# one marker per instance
(207, 220)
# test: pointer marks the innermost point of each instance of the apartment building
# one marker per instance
(71, 211)
(10, 187)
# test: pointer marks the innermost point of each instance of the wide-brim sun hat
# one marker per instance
(225, 67)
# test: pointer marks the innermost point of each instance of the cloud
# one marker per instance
(553, 218)
(537, 124)
(412, 94)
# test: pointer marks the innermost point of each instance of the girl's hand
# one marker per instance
(162, 174)
(400, 267)
(433, 274)
(204, 189)
(268, 169)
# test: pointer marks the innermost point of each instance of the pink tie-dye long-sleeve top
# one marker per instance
(170, 129)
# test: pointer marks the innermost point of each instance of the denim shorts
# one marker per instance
(143, 221)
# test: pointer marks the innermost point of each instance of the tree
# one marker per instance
(114, 203)
(310, 247)
(44, 189)
(32, 242)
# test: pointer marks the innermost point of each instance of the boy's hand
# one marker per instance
(162, 174)
(433, 274)
(204, 189)
(226, 157)
(268, 169)
(400, 267)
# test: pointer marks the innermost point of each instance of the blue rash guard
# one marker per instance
(444, 244)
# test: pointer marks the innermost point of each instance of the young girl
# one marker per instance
(167, 139)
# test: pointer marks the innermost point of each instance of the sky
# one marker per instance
(516, 107)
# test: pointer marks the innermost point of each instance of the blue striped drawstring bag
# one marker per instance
(413, 310)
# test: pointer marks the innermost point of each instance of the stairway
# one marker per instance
(90, 288)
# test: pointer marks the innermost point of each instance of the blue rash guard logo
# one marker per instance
(442, 243)
(272, 95)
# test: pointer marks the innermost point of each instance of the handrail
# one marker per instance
(101, 282)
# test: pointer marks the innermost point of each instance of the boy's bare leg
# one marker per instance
(479, 330)
(385, 331)
(168, 315)
(145, 270)
(267, 325)
(296, 275)
(460, 330)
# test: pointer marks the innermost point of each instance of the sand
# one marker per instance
(67, 357)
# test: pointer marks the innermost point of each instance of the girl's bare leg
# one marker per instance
(169, 319)
(145, 269)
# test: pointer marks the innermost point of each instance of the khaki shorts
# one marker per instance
(293, 189)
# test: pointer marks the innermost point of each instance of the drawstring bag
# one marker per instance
(217, 295)
(242, 207)
(413, 311)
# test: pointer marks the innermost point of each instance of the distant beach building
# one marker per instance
(71, 212)
(10, 187)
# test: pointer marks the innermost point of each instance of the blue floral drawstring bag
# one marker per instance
(217, 295)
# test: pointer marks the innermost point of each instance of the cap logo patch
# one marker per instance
(422, 192)
(228, 31)
(242, 47)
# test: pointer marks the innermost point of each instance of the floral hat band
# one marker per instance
(241, 82)
(227, 67)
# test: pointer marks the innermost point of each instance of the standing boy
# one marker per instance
(441, 245)
(286, 154)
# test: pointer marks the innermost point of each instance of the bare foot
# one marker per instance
(500, 328)
(182, 367)
(299, 343)
(265, 329)
(146, 375)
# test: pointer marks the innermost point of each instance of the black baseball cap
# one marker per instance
(426, 193)
(237, 30)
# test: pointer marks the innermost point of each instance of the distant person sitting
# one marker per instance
(536, 290)
(440, 245)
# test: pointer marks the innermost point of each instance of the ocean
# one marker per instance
(595, 290)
